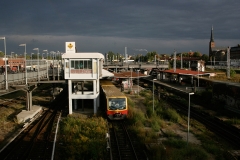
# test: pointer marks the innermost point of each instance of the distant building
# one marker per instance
(217, 54)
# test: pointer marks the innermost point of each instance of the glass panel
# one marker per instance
(90, 64)
(81, 64)
(76, 65)
(72, 64)
(117, 103)
(85, 64)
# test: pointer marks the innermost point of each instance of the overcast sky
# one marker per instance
(112, 25)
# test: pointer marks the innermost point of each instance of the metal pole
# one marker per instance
(131, 79)
(38, 65)
(228, 62)
(37, 49)
(25, 54)
(138, 82)
(47, 61)
(153, 95)
(11, 54)
(5, 59)
(189, 94)
(181, 62)
(31, 61)
(53, 67)
(198, 74)
(25, 58)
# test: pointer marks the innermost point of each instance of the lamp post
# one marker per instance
(46, 51)
(198, 74)
(131, 79)
(189, 59)
(153, 93)
(53, 54)
(138, 81)
(189, 94)
(6, 81)
(37, 49)
(11, 54)
(42, 55)
(25, 62)
(31, 60)
(47, 62)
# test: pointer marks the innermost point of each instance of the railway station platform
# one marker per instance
(186, 88)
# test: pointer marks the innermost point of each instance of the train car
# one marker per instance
(115, 101)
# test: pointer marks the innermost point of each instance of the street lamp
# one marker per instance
(6, 81)
(131, 79)
(198, 74)
(189, 94)
(47, 62)
(11, 54)
(153, 93)
(42, 55)
(138, 81)
(31, 60)
(25, 62)
(37, 49)
(53, 57)
(46, 51)
(189, 59)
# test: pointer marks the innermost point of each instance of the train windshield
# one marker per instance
(117, 103)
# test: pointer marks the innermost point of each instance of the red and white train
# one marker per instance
(115, 102)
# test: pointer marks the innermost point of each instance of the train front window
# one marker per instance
(117, 103)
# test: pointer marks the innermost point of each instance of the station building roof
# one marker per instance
(83, 55)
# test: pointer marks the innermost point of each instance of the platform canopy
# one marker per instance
(185, 72)
(129, 75)
(106, 73)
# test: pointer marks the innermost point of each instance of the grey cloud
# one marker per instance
(154, 25)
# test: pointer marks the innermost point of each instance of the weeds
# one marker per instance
(234, 121)
(83, 138)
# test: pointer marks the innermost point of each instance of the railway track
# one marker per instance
(122, 144)
(36, 140)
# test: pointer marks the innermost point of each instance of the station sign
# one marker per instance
(70, 47)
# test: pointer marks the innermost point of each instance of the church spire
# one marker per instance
(212, 39)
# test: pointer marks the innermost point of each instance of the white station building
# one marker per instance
(83, 71)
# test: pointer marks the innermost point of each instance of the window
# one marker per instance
(81, 64)
(117, 103)
(72, 64)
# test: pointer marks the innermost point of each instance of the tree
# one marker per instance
(232, 73)
(196, 54)
(151, 56)
(2, 54)
(110, 55)
(205, 57)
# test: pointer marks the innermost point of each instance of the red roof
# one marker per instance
(185, 72)
(129, 74)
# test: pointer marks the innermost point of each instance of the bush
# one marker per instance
(83, 138)
(169, 114)
(155, 126)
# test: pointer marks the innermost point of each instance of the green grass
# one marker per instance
(147, 127)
